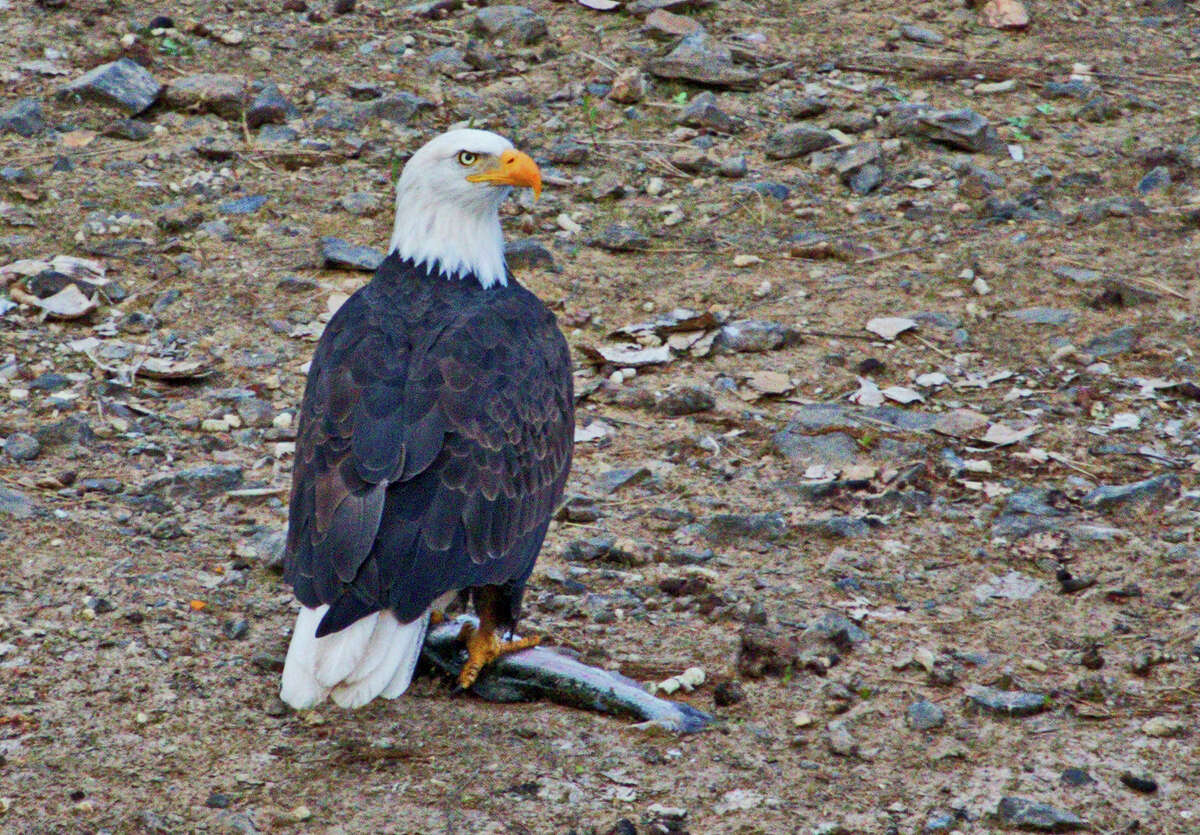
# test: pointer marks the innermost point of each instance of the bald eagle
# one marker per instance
(434, 439)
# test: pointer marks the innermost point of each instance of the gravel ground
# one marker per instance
(886, 333)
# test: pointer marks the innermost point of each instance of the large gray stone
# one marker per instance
(700, 59)
(797, 140)
(1157, 490)
(223, 94)
(270, 107)
(24, 118)
(513, 23)
(123, 84)
(337, 254)
(1037, 817)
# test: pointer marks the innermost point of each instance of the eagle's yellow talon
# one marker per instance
(483, 647)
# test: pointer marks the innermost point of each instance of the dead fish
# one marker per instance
(542, 673)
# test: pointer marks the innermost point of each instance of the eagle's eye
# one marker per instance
(467, 158)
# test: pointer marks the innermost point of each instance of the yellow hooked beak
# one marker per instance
(514, 169)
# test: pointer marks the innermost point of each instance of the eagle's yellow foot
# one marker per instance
(483, 647)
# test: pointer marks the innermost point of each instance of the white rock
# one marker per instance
(889, 327)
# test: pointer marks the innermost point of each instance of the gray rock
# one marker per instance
(843, 527)
(397, 108)
(222, 94)
(528, 253)
(134, 130)
(448, 61)
(255, 412)
(1157, 490)
(734, 167)
(618, 237)
(1076, 777)
(360, 204)
(702, 60)
(866, 179)
(268, 547)
(964, 129)
(1007, 702)
(919, 34)
(612, 481)
(840, 740)
(641, 8)
(21, 446)
(727, 527)
(123, 84)
(1156, 178)
(1078, 275)
(702, 112)
(1074, 89)
(797, 140)
(754, 336)
(940, 820)
(836, 629)
(1118, 342)
(270, 107)
(925, 716)
(24, 118)
(247, 205)
(16, 504)
(1098, 110)
(513, 23)
(217, 229)
(201, 482)
(686, 400)
(805, 108)
(1042, 316)
(1037, 817)
(340, 255)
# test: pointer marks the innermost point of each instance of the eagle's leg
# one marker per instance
(483, 645)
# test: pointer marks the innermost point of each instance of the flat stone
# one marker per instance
(134, 130)
(702, 60)
(340, 255)
(1077, 274)
(1007, 702)
(21, 446)
(123, 84)
(703, 112)
(686, 400)
(642, 8)
(805, 107)
(201, 482)
(797, 140)
(629, 87)
(1075, 89)
(360, 204)
(618, 237)
(16, 504)
(1042, 316)
(1157, 490)
(919, 34)
(924, 716)
(513, 23)
(24, 118)
(1037, 817)
(247, 205)
(661, 23)
(836, 629)
(528, 253)
(1118, 342)
(726, 527)
(270, 107)
(963, 130)
(397, 108)
(221, 94)
(755, 336)
(1076, 777)
(611, 481)
(1156, 178)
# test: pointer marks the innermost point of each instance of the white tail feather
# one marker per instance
(374, 655)
(300, 687)
(412, 639)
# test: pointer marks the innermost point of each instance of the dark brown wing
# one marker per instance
(434, 442)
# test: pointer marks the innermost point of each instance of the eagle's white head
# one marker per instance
(448, 201)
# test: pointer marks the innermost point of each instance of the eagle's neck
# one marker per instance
(455, 240)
